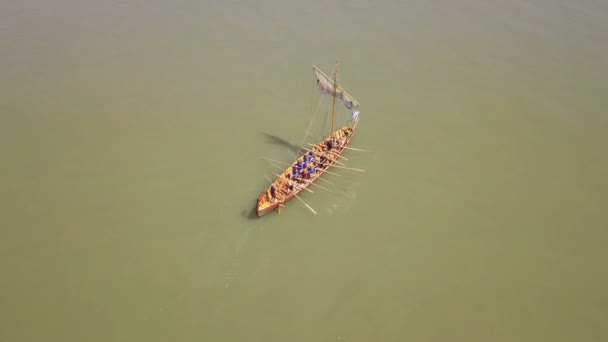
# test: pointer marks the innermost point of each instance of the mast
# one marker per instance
(333, 109)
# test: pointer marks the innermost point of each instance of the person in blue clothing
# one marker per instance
(312, 155)
(311, 170)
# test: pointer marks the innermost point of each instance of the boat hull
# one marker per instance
(263, 210)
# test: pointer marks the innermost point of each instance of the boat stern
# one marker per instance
(263, 207)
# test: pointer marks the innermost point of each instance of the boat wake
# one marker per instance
(344, 202)
(245, 233)
(232, 275)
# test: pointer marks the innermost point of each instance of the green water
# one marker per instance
(131, 137)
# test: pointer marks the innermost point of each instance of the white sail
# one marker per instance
(326, 86)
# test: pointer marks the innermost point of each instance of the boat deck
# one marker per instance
(266, 202)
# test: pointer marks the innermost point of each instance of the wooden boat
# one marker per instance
(330, 148)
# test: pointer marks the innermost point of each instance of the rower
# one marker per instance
(273, 192)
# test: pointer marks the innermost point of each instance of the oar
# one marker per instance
(319, 177)
(280, 168)
(335, 161)
(279, 189)
(349, 168)
(356, 123)
(298, 197)
(307, 206)
(354, 149)
(277, 166)
(272, 183)
(324, 188)
(276, 161)
(332, 161)
(296, 186)
(334, 184)
(332, 173)
(295, 156)
(331, 152)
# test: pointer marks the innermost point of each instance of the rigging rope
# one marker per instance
(307, 133)
(343, 120)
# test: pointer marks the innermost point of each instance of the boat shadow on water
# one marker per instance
(280, 141)
(273, 139)
(250, 213)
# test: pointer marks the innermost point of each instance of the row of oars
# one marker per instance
(298, 197)
(335, 161)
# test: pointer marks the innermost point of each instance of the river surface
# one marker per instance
(131, 143)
